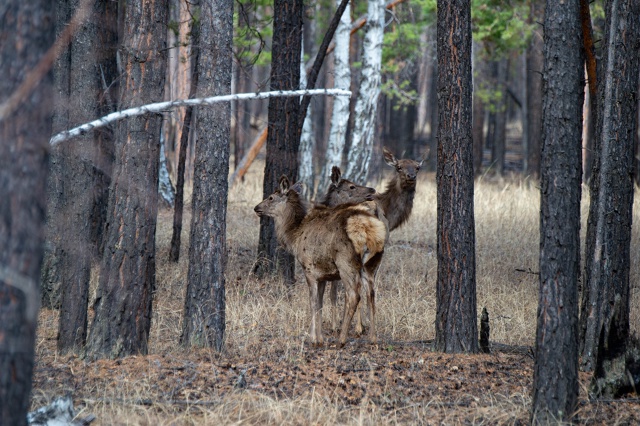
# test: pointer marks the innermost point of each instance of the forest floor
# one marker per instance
(394, 383)
(268, 373)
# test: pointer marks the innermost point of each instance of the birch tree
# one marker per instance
(366, 107)
(340, 113)
(307, 145)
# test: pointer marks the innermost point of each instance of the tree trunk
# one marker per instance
(127, 278)
(282, 137)
(456, 327)
(307, 141)
(606, 289)
(174, 251)
(535, 65)
(340, 113)
(500, 132)
(367, 102)
(203, 322)
(478, 112)
(26, 31)
(78, 86)
(555, 380)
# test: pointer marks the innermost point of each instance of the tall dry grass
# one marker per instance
(263, 316)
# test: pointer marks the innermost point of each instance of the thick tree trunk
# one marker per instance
(78, 86)
(203, 322)
(535, 65)
(366, 107)
(26, 31)
(456, 327)
(340, 113)
(606, 291)
(282, 137)
(127, 278)
(555, 386)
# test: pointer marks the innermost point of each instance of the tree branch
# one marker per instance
(163, 106)
(317, 64)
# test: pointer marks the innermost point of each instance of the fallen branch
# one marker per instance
(164, 106)
(248, 158)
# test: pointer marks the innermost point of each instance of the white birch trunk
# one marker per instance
(367, 101)
(165, 187)
(340, 114)
(307, 143)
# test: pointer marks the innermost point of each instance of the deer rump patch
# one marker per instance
(367, 233)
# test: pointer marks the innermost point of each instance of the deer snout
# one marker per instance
(258, 210)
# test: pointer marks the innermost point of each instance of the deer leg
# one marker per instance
(369, 292)
(352, 297)
(358, 316)
(321, 287)
(313, 308)
(333, 295)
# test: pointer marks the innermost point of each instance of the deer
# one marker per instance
(394, 208)
(345, 243)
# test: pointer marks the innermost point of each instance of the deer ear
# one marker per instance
(425, 156)
(297, 187)
(336, 174)
(389, 158)
(284, 184)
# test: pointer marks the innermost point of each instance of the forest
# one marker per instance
(181, 179)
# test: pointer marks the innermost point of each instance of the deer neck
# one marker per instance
(397, 203)
(288, 223)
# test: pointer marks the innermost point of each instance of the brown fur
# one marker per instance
(394, 208)
(344, 242)
(343, 191)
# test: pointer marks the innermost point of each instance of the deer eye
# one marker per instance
(352, 187)
(270, 197)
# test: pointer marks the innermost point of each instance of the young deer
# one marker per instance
(345, 242)
(395, 204)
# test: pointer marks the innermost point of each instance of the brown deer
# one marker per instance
(395, 204)
(345, 242)
(343, 191)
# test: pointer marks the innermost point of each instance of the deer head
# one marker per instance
(406, 169)
(343, 191)
(276, 203)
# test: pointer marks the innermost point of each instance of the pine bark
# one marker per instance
(204, 312)
(283, 124)
(555, 387)
(456, 311)
(27, 32)
(605, 296)
(176, 236)
(78, 92)
(127, 278)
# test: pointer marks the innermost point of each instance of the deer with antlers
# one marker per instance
(345, 242)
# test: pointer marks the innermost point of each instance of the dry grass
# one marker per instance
(263, 318)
